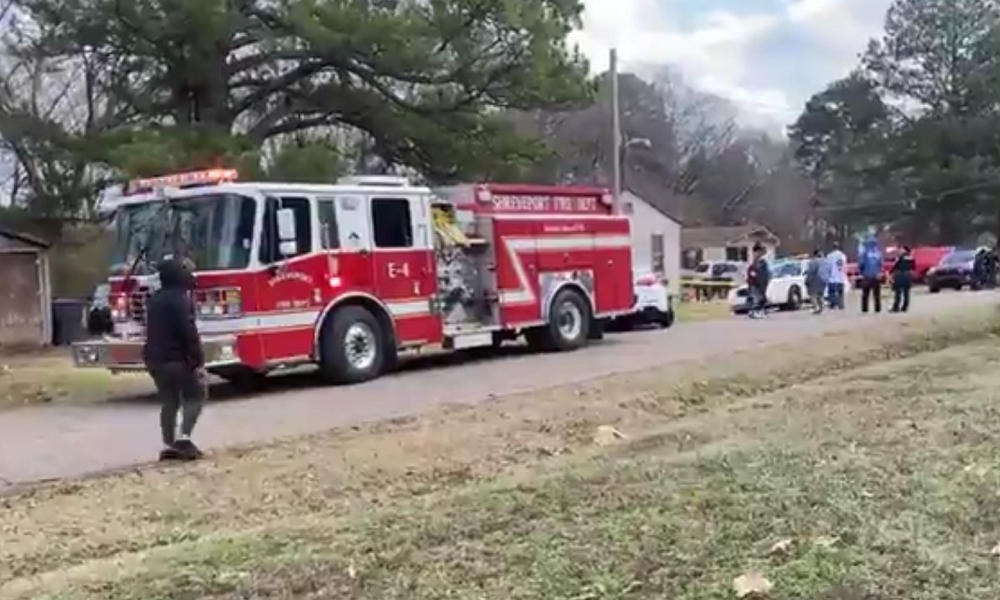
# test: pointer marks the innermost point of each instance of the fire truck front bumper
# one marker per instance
(117, 354)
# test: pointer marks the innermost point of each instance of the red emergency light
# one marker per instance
(182, 180)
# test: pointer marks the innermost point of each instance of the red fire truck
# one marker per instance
(347, 275)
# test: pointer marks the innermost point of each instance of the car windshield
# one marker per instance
(214, 231)
(786, 268)
(720, 269)
(702, 268)
(958, 258)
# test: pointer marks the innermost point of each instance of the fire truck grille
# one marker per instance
(137, 305)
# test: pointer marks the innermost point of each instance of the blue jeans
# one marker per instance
(756, 300)
(835, 293)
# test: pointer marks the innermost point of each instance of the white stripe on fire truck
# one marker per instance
(524, 294)
(285, 320)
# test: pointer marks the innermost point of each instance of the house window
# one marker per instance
(656, 253)
(737, 253)
(691, 258)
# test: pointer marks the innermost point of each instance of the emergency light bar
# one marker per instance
(375, 180)
(182, 180)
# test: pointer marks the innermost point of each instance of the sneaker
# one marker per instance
(187, 450)
(170, 453)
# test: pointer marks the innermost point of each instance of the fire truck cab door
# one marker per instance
(403, 260)
(286, 288)
(354, 255)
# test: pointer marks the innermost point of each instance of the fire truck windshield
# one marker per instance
(215, 231)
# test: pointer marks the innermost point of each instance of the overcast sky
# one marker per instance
(767, 56)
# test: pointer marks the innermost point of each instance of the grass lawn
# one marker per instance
(50, 376)
(702, 311)
(867, 467)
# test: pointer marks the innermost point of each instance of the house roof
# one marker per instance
(658, 209)
(708, 237)
(24, 238)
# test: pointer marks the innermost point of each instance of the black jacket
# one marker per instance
(759, 274)
(171, 334)
(902, 270)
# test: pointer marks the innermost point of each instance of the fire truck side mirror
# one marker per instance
(287, 245)
(286, 225)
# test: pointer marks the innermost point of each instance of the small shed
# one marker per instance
(25, 291)
(725, 243)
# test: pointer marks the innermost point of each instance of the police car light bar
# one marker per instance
(182, 180)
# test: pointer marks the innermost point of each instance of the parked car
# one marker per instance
(721, 270)
(953, 271)
(787, 288)
(652, 304)
(925, 258)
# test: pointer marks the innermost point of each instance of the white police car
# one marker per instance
(652, 303)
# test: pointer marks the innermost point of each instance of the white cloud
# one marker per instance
(766, 62)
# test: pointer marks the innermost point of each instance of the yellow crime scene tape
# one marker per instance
(691, 282)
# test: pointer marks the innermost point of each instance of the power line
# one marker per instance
(909, 202)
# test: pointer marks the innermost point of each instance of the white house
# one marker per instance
(656, 240)
(733, 243)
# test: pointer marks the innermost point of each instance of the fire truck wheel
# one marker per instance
(353, 348)
(568, 327)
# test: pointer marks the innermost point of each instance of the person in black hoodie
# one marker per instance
(902, 281)
(758, 277)
(174, 358)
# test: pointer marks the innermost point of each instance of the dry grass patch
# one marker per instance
(702, 311)
(50, 376)
(884, 443)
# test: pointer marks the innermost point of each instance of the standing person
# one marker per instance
(991, 267)
(174, 358)
(979, 268)
(836, 263)
(870, 269)
(816, 273)
(758, 278)
(902, 280)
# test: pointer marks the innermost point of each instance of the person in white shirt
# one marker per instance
(836, 262)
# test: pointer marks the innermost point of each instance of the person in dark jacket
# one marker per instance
(816, 273)
(174, 358)
(902, 280)
(979, 269)
(991, 267)
(758, 278)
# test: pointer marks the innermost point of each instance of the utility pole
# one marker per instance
(616, 133)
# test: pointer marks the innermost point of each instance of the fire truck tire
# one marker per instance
(568, 327)
(353, 347)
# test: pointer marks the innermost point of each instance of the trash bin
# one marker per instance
(68, 321)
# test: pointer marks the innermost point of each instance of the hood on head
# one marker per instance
(175, 274)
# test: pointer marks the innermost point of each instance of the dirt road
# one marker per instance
(63, 441)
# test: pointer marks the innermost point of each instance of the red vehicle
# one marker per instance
(926, 258)
(346, 275)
